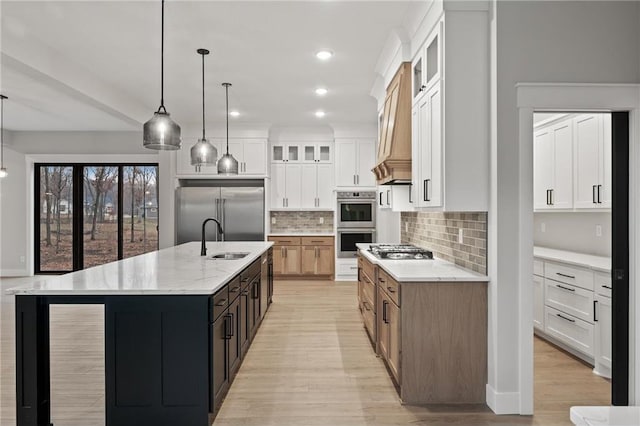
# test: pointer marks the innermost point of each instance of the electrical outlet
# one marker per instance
(21, 259)
(598, 230)
(460, 235)
(543, 227)
(321, 220)
(273, 220)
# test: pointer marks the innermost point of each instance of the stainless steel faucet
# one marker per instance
(203, 247)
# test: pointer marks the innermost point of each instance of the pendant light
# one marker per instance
(3, 170)
(203, 153)
(161, 132)
(227, 165)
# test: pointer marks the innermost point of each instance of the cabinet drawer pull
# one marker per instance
(595, 317)
(222, 302)
(391, 289)
(593, 194)
(565, 288)
(317, 241)
(245, 293)
(565, 318)
(234, 290)
(565, 275)
(366, 306)
(606, 286)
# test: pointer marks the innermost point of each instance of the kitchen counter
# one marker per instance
(597, 263)
(174, 270)
(422, 270)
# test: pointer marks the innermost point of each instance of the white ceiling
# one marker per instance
(95, 65)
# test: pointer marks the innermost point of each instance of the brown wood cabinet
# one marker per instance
(431, 335)
(394, 149)
(303, 257)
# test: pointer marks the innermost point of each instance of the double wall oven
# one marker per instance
(356, 221)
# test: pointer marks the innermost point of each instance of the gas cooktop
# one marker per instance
(399, 251)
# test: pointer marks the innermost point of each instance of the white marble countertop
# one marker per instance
(422, 270)
(605, 415)
(301, 234)
(174, 270)
(598, 263)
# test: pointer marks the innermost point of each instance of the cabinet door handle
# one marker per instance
(384, 311)
(381, 198)
(388, 191)
(354, 179)
(410, 191)
(599, 188)
(357, 179)
(227, 327)
(593, 193)
(283, 202)
(285, 252)
(565, 288)
(565, 275)
(547, 197)
(551, 196)
(595, 317)
(565, 318)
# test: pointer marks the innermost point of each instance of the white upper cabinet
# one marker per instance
(593, 161)
(426, 65)
(354, 160)
(317, 186)
(553, 167)
(572, 163)
(286, 186)
(285, 153)
(317, 152)
(251, 155)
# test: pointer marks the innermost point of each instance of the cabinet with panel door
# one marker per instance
(592, 182)
(251, 155)
(553, 167)
(286, 186)
(398, 198)
(306, 257)
(354, 160)
(317, 186)
(602, 324)
(316, 152)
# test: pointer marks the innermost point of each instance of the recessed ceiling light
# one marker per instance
(234, 113)
(321, 91)
(324, 54)
(320, 113)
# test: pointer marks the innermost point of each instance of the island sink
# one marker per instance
(229, 256)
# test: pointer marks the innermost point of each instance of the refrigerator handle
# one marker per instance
(224, 201)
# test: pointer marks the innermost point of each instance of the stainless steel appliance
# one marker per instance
(348, 238)
(399, 251)
(238, 205)
(356, 209)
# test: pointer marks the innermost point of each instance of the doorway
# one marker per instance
(624, 103)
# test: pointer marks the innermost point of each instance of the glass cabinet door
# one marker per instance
(310, 153)
(293, 153)
(277, 153)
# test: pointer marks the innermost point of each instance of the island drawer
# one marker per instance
(317, 241)
(219, 303)
(286, 241)
(234, 289)
(369, 289)
(250, 272)
(389, 285)
(368, 267)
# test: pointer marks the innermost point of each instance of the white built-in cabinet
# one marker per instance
(397, 198)
(251, 155)
(593, 161)
(449, 132)
(572, 307)
(572, 163)
(354, 160)
(302, 176)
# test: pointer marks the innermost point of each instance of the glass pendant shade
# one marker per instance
(227, 165)
(161, 132)
(203, 153)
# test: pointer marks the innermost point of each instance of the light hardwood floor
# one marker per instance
(311, 363)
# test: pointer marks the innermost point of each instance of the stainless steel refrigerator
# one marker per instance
(238, 206)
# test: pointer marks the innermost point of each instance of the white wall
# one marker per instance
(573, 232)
(13, 220)
(591, 42)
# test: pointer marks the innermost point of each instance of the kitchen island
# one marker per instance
(177, 326)
(427, 319)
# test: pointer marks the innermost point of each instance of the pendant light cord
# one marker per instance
(2, 98)
(226, 85)
(203, 96)
(162, 64)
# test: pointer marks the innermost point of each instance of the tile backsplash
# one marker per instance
(301, 222)
(439, 232)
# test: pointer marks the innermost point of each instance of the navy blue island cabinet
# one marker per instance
(169, 358)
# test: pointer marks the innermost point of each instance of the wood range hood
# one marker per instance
(394, 150)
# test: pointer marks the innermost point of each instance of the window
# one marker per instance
(91, 214)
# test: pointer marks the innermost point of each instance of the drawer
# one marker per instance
(368, 267)
(602, 283)
(389, 285)
(250, 272)
(369, 289)
(316, 241)
(285, 241)
(538, 267)
(570, 330)
(219, 303)
(369, 319)
(573, 275)
(346, 269)
(569, 299)
(234, 289)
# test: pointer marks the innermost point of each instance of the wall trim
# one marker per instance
(502, 402)
(14, 273)
(572, 97)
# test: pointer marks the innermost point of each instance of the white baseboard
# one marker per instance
(503, 402)
(14, 273)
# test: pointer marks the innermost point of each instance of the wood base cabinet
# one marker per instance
(298, 257)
